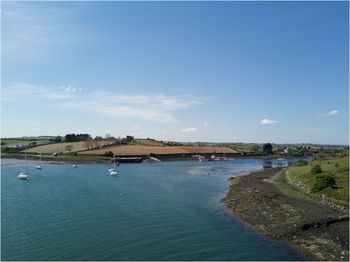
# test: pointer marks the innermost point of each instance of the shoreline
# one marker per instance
(316, 230)
(86, 159)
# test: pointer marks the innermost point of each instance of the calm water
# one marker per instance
(166, 211)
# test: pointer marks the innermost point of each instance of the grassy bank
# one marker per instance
(318, 230)
(305, 182)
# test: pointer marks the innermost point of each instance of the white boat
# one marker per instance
(40, 165)
(24, 175)
(113, 171)
(74, 165)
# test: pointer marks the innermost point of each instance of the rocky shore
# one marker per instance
(319, 231)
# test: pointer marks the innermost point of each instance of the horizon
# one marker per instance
(194, 142)
(244, 72)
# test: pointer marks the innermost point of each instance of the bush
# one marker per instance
(109, 154)
(316, 169)
(301, 162)
(322, 181)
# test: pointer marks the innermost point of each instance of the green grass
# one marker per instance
(23, 141)
(303, 179)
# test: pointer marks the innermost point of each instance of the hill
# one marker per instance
(305, 180)
(159, 150)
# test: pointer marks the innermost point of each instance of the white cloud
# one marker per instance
(332, 113)
(267, 121)
(150, 107)
(206, 124)
(189, 129)
(18, 90)
(136, 130)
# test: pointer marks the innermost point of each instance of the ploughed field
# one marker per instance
(69, 147)
(141, 148)
(145, 150)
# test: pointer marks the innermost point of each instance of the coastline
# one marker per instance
(98, 159)
(316, 230)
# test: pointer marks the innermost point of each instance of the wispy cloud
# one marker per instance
(206, 124)
(189, 129)
(267, 121)
(150, 107)
(18, 90)
(332, 113)
(36, 33)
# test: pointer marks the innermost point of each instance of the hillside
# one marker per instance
(159, 150)
(302, 179)
(69, 147)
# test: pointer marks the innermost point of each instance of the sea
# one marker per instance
(168, 211)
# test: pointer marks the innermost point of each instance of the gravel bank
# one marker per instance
(317, 230)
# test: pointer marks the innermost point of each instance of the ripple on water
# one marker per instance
(167, 211)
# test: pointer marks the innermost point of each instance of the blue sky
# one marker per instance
(186, 71)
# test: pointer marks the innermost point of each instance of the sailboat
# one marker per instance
(40, 165)
(24, 175)
(113, 171)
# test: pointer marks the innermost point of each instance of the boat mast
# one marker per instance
(26, 162)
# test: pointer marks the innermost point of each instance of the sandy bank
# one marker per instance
(317, 230)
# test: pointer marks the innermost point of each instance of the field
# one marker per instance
(147, 142)
(160, 150)
(301, 178)
(67, 147)
(24, 141)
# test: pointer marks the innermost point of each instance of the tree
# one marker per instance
(267, 148)
(70, 138)
(57, 139)
(89, 143)
(129, 138)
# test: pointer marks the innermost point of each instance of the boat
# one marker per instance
(281, 159)
(74, 165)
(24, 175)
(281, 162)
(113, 171)
(40, 165)
(215, 158)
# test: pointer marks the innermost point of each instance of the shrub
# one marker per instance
(316, 169)
(322, 181)
(301, 162)
(109, 154)
(337, 165)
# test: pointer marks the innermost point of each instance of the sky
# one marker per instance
(185, 71)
